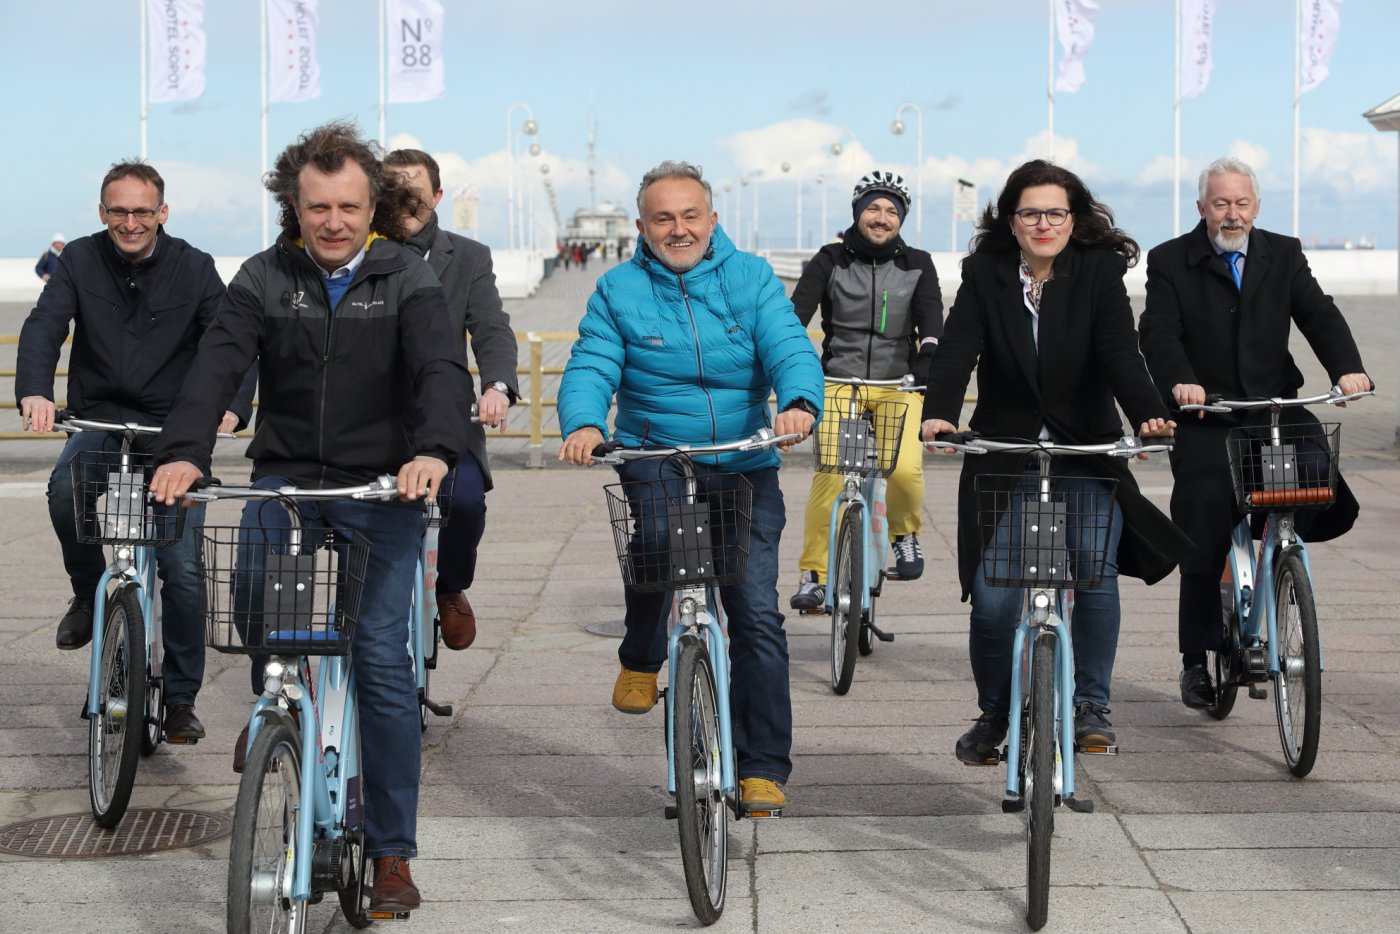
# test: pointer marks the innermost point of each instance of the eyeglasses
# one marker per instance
(121, 214)
(1054, 217)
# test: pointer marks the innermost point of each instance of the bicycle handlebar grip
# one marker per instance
(955, 437)
(606, 448)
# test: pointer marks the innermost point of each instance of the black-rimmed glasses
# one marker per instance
(121, 214)
(1055, 217)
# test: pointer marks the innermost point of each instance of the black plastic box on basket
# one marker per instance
(1290, 467)
(273, 591)
(1060, 542)
(110, 504)
(866, 443)
(667, 540)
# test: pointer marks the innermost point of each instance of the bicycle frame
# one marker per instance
(131, 566)
(695, 617)
(420, 615)
(1253, 590)
(869, 492)
(1041, 617)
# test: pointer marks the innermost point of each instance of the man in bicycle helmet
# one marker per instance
(881, 316)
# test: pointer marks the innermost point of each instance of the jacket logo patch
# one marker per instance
(654, 340)
(367, 305)
(296, 300)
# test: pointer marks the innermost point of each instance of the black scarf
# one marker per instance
(868, 252)
(422, 241)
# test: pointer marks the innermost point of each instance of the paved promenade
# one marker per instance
(542, 807)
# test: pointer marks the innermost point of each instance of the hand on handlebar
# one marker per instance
(173, 480)
(931, 429)
(577, 448)
(1190, 394)
(1353, 383)
(421, 477)
(37, 413)
(793, 422)
(1156, 428)
(492, 408)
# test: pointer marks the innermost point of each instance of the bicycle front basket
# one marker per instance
(667, 541)
(110, 505)
(263, 594)
(1297, 469)
(1057, 543)
(866, 444)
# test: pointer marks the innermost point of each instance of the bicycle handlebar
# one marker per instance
(903, 384)
(64, 421)
(381, 488)
(968, 442)
(613, 453)
(1218, 404)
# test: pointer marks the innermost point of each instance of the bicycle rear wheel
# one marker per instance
(114, 734)
(1298, 685)
(1225, 665)
(846, 584)
(867, 635)
(1040, 776)
(701, 813)
(263, 848)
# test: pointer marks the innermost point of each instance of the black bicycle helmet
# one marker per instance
(886, 182)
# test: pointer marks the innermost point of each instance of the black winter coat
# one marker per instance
(1198, 329)
(1088, 357)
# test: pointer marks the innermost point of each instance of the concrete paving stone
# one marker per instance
(523, 839)
(924, 799)
(602, 915)
(1262, 831)
(1263, 765)
(591, 875)
(1244, 740)
(933, 691)
(1269, 912)
(1305, 869)
(1242, 797)
(624, 741)
(125, 916)
(625, 799)
(872, 739)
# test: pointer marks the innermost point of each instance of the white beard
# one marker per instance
(1230, 242)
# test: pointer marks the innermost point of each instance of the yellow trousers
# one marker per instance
(904, 493)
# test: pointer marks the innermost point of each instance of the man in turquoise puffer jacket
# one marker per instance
(692, 336)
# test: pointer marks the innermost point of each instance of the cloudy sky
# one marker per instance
(739, 87)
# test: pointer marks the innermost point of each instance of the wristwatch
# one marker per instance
(500, 386)
(803, 405)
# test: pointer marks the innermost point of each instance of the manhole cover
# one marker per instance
(142, 830)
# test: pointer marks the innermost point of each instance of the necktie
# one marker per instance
(1232, 259)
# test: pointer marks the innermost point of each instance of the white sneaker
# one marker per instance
(810, 595)
(908, 557)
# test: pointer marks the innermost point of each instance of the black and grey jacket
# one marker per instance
(344, 396)
(874, 314)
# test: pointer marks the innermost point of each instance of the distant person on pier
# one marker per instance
(48, 263)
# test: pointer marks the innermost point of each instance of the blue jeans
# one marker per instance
(386, 694)
(182, 617)
(997, 611)
(760, 703)
(461, 533)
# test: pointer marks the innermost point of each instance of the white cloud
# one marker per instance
(206, 197)
(1252, 154)
(1160, 170)
(1350, 163)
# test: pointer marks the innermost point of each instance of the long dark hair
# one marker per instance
(328, 147)
(1093, 221)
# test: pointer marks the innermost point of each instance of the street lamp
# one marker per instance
(897, 128)
(821, 234)
(530, 128)
(797, 239)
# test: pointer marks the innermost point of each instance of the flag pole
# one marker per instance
(1297, 64)
(383, 66)
(262, 113)
(1176, 133)
(1050, 79)
(145, 107)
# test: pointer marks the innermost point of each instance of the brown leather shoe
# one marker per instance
(458, 620)
(240, 750)
(393, 886)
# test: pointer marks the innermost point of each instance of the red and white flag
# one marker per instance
(175, 31)
(1074, 21)
(1321, 20)
(294, 71)
(415, 51)
(1197, 24)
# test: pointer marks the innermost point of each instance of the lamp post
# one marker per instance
(897, 128)
(797, 237)
(821, 235)
(530, 128)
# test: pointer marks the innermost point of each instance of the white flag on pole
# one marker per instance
(295, 72)
(1074, 20)
(175, 30)
(415, 51)
(1197, 24)
(1321, 20)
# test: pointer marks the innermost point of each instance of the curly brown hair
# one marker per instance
(1093, 221)
(328, 147)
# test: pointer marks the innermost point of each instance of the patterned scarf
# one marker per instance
(1037, 286)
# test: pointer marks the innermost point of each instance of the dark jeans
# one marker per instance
(386, 694)
(182, 619)
(760, 703)
(997, 611)
(461, 534)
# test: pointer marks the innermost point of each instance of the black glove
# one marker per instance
(923, 364)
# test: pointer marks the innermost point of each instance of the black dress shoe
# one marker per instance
(1196, 690)
(981, 745)
(75, 629)
(181, 725)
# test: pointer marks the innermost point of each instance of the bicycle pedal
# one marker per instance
(1013, 805)
(764, 815)
(817, 612)
(985, 763)
(1078, 806)
(1258, 692)
(181, 742)
(387, 915)
(1092, 750)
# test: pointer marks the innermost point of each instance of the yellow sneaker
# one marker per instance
(760, 795)
(635, 691)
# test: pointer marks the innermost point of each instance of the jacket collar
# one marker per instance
(721, 248)
(441, 253)
(1200, 252)
(382, 255)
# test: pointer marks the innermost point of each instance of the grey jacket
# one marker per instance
(474, 306)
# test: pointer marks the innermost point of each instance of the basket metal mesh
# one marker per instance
(666, 540)
(1296, 468)
(110, 504)
(1057, 542)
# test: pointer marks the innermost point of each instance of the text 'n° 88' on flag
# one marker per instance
(294, 72)
(1197, 24)
(175, 32)
(415, 51)
(1321, 20)
(1074, 20)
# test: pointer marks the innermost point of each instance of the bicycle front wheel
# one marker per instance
(114, 734)
(701, 814)
(846, 583)
(263, 848)
(1298, 684)
(1225, 665)
(1040, 776)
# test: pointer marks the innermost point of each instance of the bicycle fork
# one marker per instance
(696, 621)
